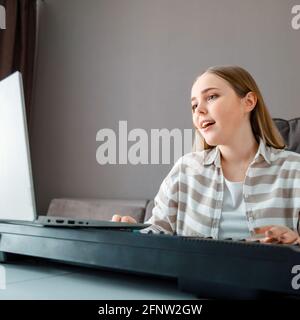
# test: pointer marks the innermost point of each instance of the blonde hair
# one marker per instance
(261, 122)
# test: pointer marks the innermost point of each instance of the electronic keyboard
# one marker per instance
(202, 266)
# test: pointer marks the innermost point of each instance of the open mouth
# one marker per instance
(207, 124)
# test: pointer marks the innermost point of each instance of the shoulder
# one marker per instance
(192, 160)
(283, 154)
(188, 165)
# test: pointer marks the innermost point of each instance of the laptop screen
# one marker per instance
(17, 200)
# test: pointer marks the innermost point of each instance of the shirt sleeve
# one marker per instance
(164, 213)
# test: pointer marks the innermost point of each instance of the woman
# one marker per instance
(242, 183)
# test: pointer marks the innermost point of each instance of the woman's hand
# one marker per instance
(278, 234)
(128, 219)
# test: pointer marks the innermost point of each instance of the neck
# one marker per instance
(239, 152)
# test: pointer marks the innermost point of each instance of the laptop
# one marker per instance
(17, 199)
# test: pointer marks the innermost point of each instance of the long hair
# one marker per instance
(261, 122)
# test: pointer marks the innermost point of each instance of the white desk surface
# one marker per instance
(41, 279)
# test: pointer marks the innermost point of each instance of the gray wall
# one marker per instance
(102, 61)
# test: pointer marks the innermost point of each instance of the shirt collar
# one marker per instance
(214, 156)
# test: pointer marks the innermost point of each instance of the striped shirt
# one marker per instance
(189, 201)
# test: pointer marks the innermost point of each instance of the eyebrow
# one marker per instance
(204, 91)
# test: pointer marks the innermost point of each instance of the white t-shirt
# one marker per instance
(233, 223)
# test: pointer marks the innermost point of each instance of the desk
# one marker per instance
(43, 279)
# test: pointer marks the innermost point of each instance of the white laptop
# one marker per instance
(17, 200)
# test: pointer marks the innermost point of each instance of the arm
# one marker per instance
(164, 213)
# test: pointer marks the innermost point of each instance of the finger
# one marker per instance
(128, 219)
(271, 231)
(262, 239)
(277, 231)
(116, 218)
(262, 230)
(268, 240)
(289, 237)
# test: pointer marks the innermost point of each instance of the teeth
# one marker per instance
(206, 123)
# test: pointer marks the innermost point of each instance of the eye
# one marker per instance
(212, 96)
(194, 106)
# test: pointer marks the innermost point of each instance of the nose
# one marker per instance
(201, 108)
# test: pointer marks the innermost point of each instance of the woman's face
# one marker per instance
(213, 99)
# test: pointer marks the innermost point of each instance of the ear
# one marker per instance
(250, 101)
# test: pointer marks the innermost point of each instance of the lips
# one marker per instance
(206, 123)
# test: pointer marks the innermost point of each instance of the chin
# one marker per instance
(215, 138)
(212, 144)
(211, 141)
